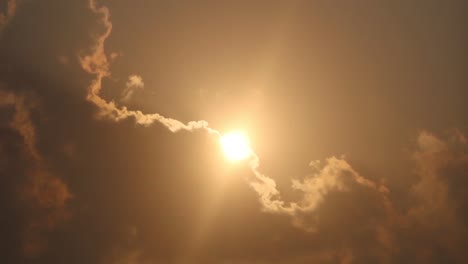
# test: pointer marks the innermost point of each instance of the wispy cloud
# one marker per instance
(98, 65)
(134, 83)
(335, 175)
(46, 194)
(329, 177)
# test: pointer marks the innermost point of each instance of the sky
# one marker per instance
(113, 115)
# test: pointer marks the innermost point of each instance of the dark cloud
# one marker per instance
(434, 230)
(45, 195)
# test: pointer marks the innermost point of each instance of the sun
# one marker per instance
(235, 145)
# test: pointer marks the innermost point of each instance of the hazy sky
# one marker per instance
(356, 113)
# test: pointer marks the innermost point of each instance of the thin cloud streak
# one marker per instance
(314, 189)
(98, 65)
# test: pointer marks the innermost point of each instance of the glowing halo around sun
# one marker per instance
(235, 145)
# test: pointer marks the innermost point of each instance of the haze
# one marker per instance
(140, 132)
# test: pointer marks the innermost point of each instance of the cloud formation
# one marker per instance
(314, 188)
(46, 194)
(134, 83)
(335, 179)
(143, 199)
(97, 64)
(436, 226)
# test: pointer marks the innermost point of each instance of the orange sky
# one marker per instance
(112, 115)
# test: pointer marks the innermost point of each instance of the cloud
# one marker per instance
(335, 175)
(135, 82)
(314, 188)
(115, 55)
(98, 65)
(435, 227)
(433, 157)
(45, 194)
(335, 191)
(346, 217)
(21, 122)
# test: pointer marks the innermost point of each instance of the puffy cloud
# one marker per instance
(336, 175)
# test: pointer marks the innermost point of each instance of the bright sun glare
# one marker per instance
(235, 145)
